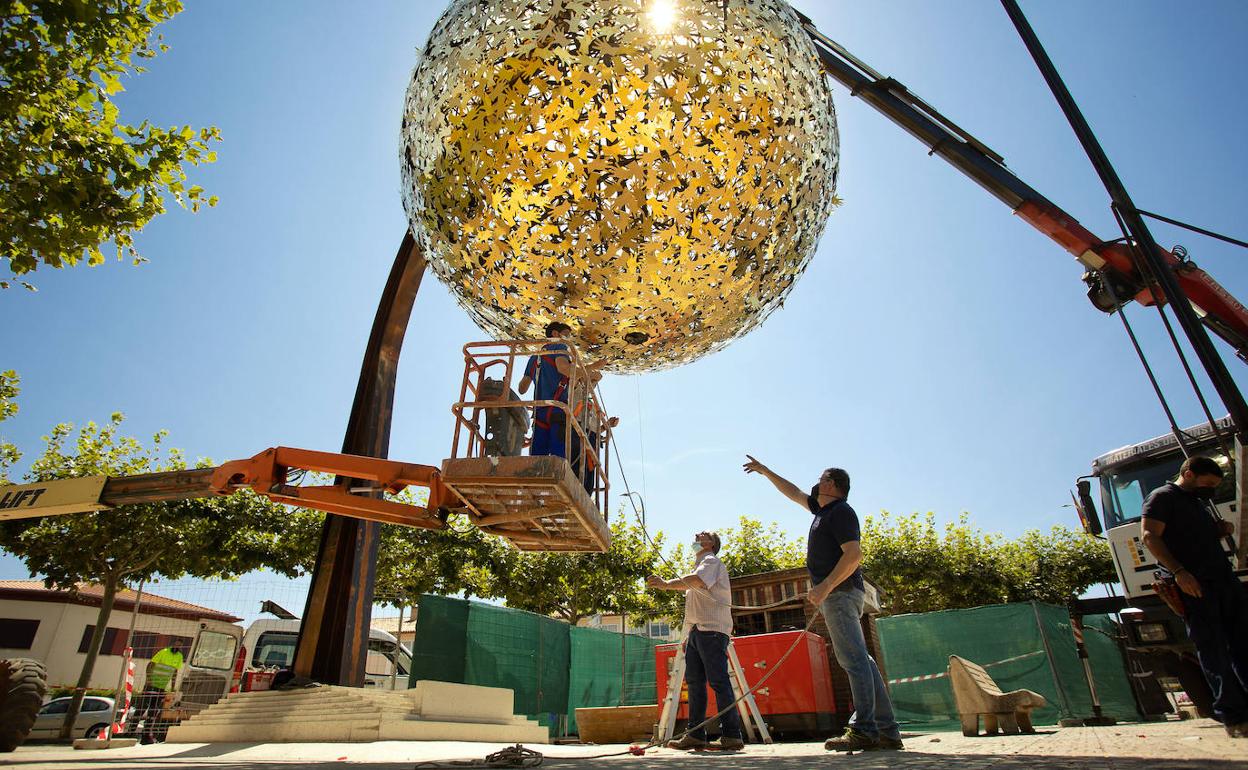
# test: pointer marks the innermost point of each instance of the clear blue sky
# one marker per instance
(937, 348)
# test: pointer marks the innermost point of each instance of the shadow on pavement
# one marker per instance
(743, 760)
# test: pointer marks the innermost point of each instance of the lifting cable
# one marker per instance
(1142, 267)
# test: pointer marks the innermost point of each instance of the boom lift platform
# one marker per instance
(543, 503)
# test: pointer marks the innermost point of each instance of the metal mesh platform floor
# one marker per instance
(535, 503)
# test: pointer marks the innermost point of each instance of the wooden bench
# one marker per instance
(976, 695)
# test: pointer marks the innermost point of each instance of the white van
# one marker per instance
(223, 654)
(270, 644)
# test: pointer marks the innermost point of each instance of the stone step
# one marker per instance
(429, 711)
(322, 691)
(357, 731)
(342, 708)
(456, 702)
(308, 715)
(342, 730)
(432, 730)
(292, 696)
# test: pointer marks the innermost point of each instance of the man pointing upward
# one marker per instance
(833, 556)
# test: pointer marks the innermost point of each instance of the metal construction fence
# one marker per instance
(552, 667)
(1023, 646)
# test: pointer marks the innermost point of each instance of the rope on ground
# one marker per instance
(512, 756)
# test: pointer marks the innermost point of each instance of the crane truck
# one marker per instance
(1160, 654)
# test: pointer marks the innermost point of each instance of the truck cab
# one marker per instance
(1156, 639)
(1127, 475)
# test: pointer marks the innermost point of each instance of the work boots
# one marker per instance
(687, 743)
(852, 740)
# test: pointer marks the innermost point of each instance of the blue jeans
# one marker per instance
(547, 441)
(873, 711)
(1217, 623)
(706, 659)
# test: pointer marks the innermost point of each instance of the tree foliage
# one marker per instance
(211, 537)
(922, 567)
(73, 175)
(9, 388)
(208, 537)
(410, 561)
(573, 586)
(455, 560)
(750, 548)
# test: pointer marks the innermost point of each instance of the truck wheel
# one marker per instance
(23, 683)
(1192, 678)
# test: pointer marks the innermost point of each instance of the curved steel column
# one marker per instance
(333, 640)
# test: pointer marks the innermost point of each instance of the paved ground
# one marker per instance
(1197, 744)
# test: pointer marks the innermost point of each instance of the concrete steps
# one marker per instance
(430, 711)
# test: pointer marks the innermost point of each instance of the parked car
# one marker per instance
(92, 718)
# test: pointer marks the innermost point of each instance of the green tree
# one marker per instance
(572, 585)
(410, 561)
(456, 560)
(210, 537)
(750, 548)
(73, 176)
(922, 567)
(1060, 565)
(9, 388)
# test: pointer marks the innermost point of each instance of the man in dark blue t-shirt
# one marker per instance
(549, 373)
(1186, 540)
(833, 556)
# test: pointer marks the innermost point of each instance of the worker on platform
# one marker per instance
(708, 623)
(592, 421)
(1186, 538)
(160, 675)
(549, 373)
(833, 556)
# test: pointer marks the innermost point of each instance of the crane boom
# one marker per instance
(1112, 275)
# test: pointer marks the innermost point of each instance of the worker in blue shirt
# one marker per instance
(549, 373)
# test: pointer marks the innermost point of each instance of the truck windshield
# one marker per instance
(1123, 489)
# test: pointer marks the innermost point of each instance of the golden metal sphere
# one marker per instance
(656, 173)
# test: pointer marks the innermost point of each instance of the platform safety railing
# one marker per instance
(491, 418)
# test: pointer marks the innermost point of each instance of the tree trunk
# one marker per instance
(93, 651)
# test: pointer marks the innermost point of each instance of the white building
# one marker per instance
(659, 628)
(55, 627)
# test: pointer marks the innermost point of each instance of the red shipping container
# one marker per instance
(795, 699)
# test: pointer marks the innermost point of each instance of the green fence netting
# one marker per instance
(1023, 646)
(475, 643)
(552, 668)
(609, 669)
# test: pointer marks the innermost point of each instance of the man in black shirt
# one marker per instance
(833, 556)
(1186, 540)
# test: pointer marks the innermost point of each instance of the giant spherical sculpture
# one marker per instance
(655, 173)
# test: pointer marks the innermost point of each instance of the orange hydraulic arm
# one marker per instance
(360, 477)
(1112, 275)
(356, 493)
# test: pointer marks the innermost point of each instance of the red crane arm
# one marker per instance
(1112, 275)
